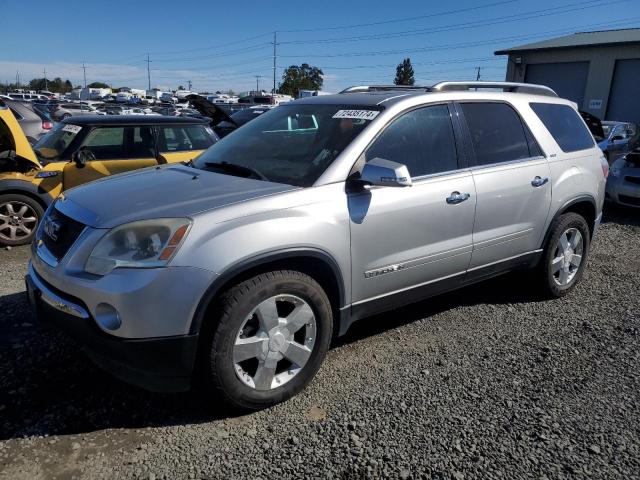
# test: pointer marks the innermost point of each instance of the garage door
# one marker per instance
(624, 97)
(568, 79)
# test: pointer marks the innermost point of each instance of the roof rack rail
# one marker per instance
(531, 88)
(382, 88)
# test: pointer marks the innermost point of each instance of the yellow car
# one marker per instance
(79, 150)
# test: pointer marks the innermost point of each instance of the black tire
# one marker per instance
(219, 376)
(32, 205)
(549, 286)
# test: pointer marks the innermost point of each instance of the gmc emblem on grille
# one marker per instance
(51, 228)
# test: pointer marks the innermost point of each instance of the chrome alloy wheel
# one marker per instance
(17, 220)
(567, 257)
(275, 342)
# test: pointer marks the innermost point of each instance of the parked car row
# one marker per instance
(79, 150)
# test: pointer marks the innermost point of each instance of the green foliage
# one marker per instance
(404, 73)
(98, 85)
(303, 77)
(56, 85)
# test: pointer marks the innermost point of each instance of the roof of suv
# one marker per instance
(134, 120)
(390, 94)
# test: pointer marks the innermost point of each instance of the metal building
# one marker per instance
(600, 71)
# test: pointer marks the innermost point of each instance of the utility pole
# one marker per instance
(274, 62)
(84, 71)
(478, 73)
(148, 71)
(258, 82)
(46, 85)
(189, 86)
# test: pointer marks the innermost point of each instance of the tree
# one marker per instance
(303, 77)
(180, 87)
(98, 85)
(404, 73)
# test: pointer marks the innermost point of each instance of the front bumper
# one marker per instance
(622, 192)
(162, 364)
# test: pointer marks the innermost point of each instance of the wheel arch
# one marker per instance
(20, 187)
(584, 205)
(316, 263)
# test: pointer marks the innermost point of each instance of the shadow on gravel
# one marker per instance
(621, 215)
(506, 289)
(49, 387)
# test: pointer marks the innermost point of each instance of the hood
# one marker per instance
(595, 126)
(171, 191)
(208, 109)
(10, 130)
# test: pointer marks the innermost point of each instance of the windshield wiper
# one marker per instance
(238, 170)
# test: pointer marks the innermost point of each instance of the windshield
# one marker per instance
(291, 144)
(607, 129)
(53, 144)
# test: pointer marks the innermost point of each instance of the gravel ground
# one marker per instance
(487, 382)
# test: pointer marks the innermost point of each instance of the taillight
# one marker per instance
(47, 125)
(605, 167)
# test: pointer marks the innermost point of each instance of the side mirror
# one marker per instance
(385, 173)
(81, 156)
(617, 138)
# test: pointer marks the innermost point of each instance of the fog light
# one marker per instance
(108, 317)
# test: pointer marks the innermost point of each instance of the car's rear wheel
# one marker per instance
(19, 219)
(565, 255)
(272, 334)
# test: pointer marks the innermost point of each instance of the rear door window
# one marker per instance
(178, 138)
(564, 125)
(497, 133)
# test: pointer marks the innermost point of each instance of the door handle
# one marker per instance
(539, 181)
(457, 197)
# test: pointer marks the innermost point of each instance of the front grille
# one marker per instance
(635, 180)
(629, 200)
(59, 232)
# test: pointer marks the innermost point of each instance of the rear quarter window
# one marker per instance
(564, 125)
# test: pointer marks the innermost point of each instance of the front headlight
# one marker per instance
(142, 244)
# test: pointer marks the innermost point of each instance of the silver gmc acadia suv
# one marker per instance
(233, 272)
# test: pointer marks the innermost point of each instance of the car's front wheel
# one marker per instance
(270, 337)
(19, 218)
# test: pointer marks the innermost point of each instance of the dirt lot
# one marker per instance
(487, 382)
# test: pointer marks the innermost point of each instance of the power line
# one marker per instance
(434, 48)
(557, 10)
(405, 19)
(212, 47)
(252, 48)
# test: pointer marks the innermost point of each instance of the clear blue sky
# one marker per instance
(222, 45)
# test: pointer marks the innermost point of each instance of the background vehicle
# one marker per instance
(67, 110)
(617, 138)
(34, 122)
(623, 184)
(27, 96)
(239, 118)
(302, 222)
(80, 150)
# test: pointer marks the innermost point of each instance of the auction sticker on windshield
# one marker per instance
(358, 114)
(71, 128)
